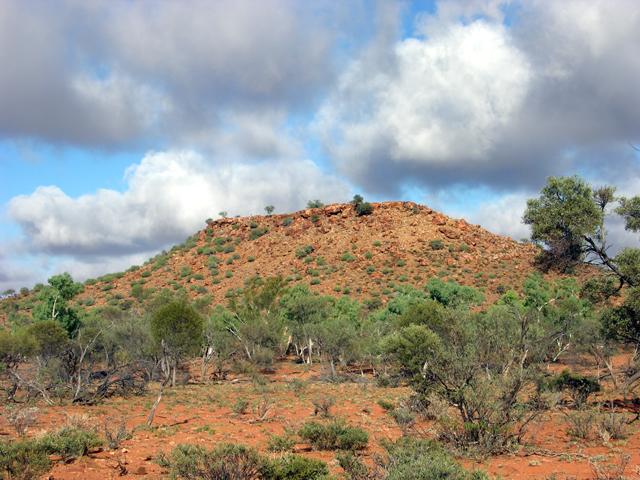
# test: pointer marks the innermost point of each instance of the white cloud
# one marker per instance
(168, 197)
(446, 102)
(471, 100)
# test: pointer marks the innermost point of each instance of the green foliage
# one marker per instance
(53, 303)
(287, 221)
(629, 209)
(70, 442)
(347, 257)
(257, 232)
(22, 460)
(281, 443)
(315, 204)
(225, 461)
(237, 462)
(295, 467)
(452, 294)
(177, 327)
(362, 208)
(436, 244)
(579, 386)
(269, 209)
(563, 215)
(302, 252)
(336, 435)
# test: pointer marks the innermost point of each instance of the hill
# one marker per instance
(333, 250)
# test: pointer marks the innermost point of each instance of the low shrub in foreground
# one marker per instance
(336, 435)
(29, 458)
(409, 459)
(22, 460)
(238, 462)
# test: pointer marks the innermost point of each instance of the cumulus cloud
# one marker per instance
(479, 102)
(168, 197)
(112, 73)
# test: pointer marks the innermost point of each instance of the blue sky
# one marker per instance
(123, 125)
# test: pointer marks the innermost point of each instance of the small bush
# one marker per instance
(22, 460)
(579, 387)
(404, 417)
(581, 424)
(287, 221)
(295, 467)
(240, 407)
(302, 252)
(386, 404)
(315, 204)
(322, 405)
(612, 426)
(70, 442)
(347, 257)
(281, 443)
(115, 432)
(436, 244)
(334, 436)
(21, 419)
(226, 461)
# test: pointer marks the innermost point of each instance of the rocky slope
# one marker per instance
(331, 249)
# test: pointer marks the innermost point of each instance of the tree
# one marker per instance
(361, 207)
(568, 218)
(315, 204)
(563, 217)
(223, 214)
(177, 329)
(53, 303)
(269, 209)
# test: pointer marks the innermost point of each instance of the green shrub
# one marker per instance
(287, 221)
(315, 204)
(336, 435)
(436, 244)
(22, 460)
(281, 443)
(302, 252)
(226, 461)
(70, 442)
(579, 387)
(347, 257)
(240, 407)
(258, 232)
(295, 467)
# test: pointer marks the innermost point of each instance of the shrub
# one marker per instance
(22, 460)
(322, 405)
(280, 443)
(404, 417)
(258, 232)
(302, 252)
(579, 387)
(409, 459)
(334, 436)
(347, 257)
(115, 433)
(436, 244)
(287, 221)
(361, 207)
(581, 424)
(22, 418)
(386, 404)
(226, 461)
(240, 406)
(315, 204)
(295, 467)
(70, 442)
(612, 426)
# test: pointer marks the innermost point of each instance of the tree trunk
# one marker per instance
(152, 413)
